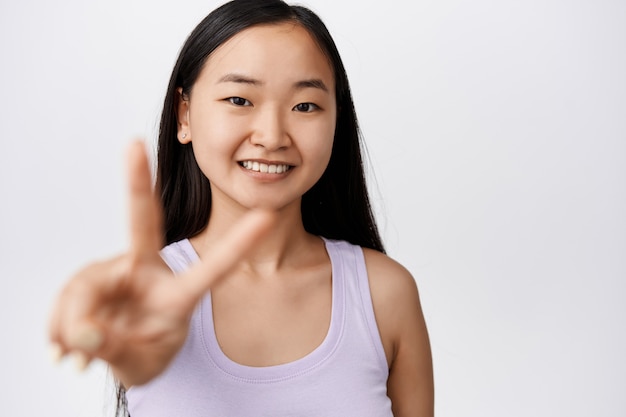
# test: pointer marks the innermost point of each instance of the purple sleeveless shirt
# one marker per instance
(344, 376)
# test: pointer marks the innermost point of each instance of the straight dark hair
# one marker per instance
(336, 207)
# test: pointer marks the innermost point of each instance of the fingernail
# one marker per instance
(55, 352)
(80, 360)
(88, 339)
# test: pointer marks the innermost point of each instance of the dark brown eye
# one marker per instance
(305, 107)
(238, 101)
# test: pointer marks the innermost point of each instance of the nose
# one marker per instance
(269, 130)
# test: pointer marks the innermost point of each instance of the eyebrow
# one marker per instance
(238, 78)
(312, 83)
(298, 85)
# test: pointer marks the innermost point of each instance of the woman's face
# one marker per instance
(261, 117)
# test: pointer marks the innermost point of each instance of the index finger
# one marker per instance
(146, 234)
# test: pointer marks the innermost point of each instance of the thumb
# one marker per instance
(233, 247)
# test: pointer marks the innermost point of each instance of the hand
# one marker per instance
(131, 311)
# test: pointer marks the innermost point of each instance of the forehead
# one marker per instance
(272, 53)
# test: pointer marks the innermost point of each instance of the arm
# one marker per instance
(404, 335)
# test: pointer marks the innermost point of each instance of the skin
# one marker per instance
(265, 96)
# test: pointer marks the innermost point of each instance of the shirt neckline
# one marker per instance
(288, 370)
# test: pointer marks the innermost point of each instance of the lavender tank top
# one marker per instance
(344, 376)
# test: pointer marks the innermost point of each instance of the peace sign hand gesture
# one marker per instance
(130, 310)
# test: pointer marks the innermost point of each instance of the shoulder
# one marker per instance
(403, 332)
(392, 286)
(386, 273)
(394, 297)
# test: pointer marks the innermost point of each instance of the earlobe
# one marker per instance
(182, 114)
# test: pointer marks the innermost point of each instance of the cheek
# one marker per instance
(326, 145)
(213, 146)
(214, 134)
(319, 148)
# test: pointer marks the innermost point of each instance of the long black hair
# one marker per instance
(336, 207)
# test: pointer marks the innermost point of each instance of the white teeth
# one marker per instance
(265, 168)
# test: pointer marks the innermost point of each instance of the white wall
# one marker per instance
(497, 132)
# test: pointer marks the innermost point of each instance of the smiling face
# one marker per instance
(261, 117)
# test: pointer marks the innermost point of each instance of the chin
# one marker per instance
(272, 204)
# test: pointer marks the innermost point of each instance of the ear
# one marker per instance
(182, 114)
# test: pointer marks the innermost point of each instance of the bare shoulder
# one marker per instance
(394, 296)
(389, 280)
(404, 335)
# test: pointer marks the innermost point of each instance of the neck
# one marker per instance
(283, 245)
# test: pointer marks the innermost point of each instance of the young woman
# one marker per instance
(283, 303)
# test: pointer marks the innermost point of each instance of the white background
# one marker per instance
(497, 135)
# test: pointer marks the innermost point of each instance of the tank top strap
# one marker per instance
(356, 283)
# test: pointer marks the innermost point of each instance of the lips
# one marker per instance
(263, 167)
